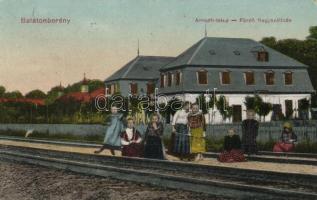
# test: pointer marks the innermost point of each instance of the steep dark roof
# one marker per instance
(141, 67)
(230, 52)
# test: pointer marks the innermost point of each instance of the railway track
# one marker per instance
(264, 156)
(219, 181)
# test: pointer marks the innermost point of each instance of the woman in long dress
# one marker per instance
(153, 139)
(250, 128)
(197, 125)
(181, 143)
(112, 140)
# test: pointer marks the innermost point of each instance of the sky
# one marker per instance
(102, 35)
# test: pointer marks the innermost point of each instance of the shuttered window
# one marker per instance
(162, 79)
(225, 77)
(134, 88)
(150, 88)
(202, 77)
(269, 78)
(177, 78)
(249, 78)
(288, 76)
(169, 79)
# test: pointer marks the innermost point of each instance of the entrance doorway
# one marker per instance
(237, 113)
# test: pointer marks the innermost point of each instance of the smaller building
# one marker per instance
(137, 77)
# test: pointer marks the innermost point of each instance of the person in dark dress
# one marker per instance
(181, 142)
(131, 140)
(153, 147)
(287, 139)
(232, 148)
(250, 128)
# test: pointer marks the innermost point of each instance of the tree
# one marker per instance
(2, 91)
(264, 109)
(203, 105)
(95, 84)
(37, 94)
(13, 95)
(212, 101)
(312, 32)
(269, 41)
(223, 106)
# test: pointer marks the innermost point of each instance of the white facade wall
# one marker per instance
(214, 117)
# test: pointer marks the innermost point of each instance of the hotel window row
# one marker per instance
(225, 78)
(169, 79)
(150, 88)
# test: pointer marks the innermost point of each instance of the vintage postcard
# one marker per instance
(158, 99)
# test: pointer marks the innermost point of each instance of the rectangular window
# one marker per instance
(177, 78)
(249, 78)
(202, 77)
(263, 56)
(108, 92)
(134, 88)
(112, 89)
(169, 79)
(162, 80)
(269, 78)
(225, 78)
(288, 78)
(150, 88)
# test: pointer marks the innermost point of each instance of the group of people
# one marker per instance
(189, 132)
(234, 148)
(129, 140)
(188, 137)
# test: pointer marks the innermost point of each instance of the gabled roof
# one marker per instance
(141, 67)
(230, 52)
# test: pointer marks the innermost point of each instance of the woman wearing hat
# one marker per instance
(287, 139)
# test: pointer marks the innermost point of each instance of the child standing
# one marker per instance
(112, 140)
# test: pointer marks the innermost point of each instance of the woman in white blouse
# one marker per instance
(181, 144)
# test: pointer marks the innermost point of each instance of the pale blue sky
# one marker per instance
(41, 55)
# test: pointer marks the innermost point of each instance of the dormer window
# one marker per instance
(269, 78)
(225, 78)
(202, 77)
(288, 78)
(262, 56)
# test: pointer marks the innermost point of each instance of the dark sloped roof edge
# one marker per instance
(233, 66)
(130, 65)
